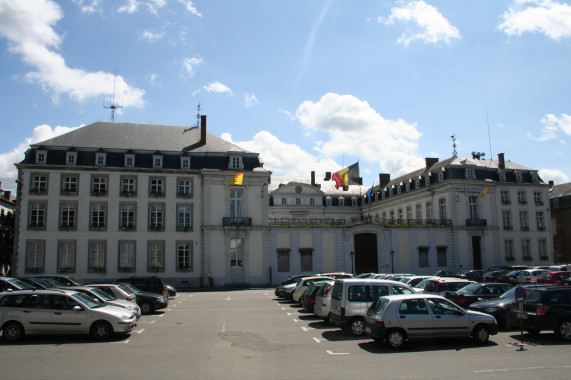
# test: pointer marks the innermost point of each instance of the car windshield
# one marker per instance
(104, 296)
(125, 289)
(510, 293)
(21, 284)
(422, 284)
(545, 275)
(469, 289)
(88, 300)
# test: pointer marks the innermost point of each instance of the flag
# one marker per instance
(237, 180)
(347, 176)
(369, 193)
(484, 192)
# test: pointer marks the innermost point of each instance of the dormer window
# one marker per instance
(354, 202)
(100, 159)
(427, 180)
(440, 176)
(185, 163)
(71, 158)
(502, 177)
(235, 162)
(470, 173)
(341, 201)
(518, 178)
(417, 184)
(383, 194)
(398, 189)
(328, 201)
(129, 160)
(534, 179)
(407, 187)
(157, 161)
(41, 157)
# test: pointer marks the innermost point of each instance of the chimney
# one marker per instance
(430, 161)
(551, 183)
(202, 130)
(8, 194)
(327, 176)
(312, 178)
(384, 179)
(501, 161)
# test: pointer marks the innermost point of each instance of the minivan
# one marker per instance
(350, 299)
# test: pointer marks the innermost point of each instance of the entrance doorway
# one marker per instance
(476, 252)
(366, 253)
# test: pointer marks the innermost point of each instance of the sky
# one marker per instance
(310, 85)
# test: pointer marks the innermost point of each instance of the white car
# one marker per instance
(60, 311)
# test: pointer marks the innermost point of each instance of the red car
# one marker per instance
(553, 277)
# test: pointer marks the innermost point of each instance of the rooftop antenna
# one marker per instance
(197, 120)
(112, 106)
(489, 138)
(454, 153)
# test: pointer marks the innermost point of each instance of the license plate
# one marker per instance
(368, 330)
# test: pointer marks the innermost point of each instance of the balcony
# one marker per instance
(476, 223)
(349, 222)
(237, 221)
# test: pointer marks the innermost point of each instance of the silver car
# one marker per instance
(396, 319)
(322, 305)
(60, 311)
(118, 291)
(106, 298)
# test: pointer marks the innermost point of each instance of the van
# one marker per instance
(350, 299)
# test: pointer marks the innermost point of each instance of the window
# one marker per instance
(97, 251)
(312, 201)
(417, 184)
(473, 207)
(442, 207)
(502, 177)
(507, 219)
(71, 158)
(508, 249)
(470, 173)
(400, 214)
(69, 184)
(237, 252)
(39, 184)
(392, 215)
(100, 159)
(419, 211)
(284, 201)
(184, 217)
(522, 197)
(298, 201)
(407, 187)
(525, 249)
(399, 189)
(534, 179)
(126, 256)
(538, 198)
(185, 162)
(37, 218)
(157, 161)
(306, 258)
(128, 216)
(384, 215)
(156, 256)
(128, 186)
(423, 257)
(129, 160)
(505, 196)
(235, 162)
(429, 215)
(98, 185)
(98, 215)
(41, 157)
(440, 176)
(539, 219)
(68, 215)
(157, 187)
(427, 180)
(341, 201)
(413, 306)
(184, 256)
(328, 201)
(283, 260)
(542, 248)
(184, 187)
(236, 202)
(66, 256)
(409, 212)
(156, 217)
(518, 178)
(354, 202)
(441, 256)
(523, 221)
(35, 253)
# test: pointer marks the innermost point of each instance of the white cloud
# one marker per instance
(551, 125)
(541, 16)
(89, 6)
(28, 26)
(434, 27)
(217, 87)
(147, 35)
(7, 160)
(130, 6)
(555, 175)
(189, 6)
(355, 128)
(189, 65)
(250, 100)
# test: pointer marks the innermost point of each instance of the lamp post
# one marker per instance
(392, 261)
(352, 254)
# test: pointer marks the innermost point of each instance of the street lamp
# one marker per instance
(392, 261)
(352, 254)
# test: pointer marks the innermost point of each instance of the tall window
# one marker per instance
(156, 256)
(96, 256)
(157, 186)
(39, 184)
(539, 219)
(473, 207)
(423, 257)
(392, 215)
(126, 256)
(507, 219)
(128, 216)
(283, 260)
(184, 256)
(156, 217)
(98, 185)
(37, 215)
(237, 252)
(429, 215)
(538, 198)
(68, 215)
(522, 197)
(128, 186)
(442, 206)
(441, 256)
(184, 187)
(400, 216)
(66, 256)
(419, 211)
(184, 217)
(523, 221)
(69, 185)
(542, 248)
(306, 258)
(35, 253)
(509, 249)
(409, 212)
(505, 197)
(236, 202)
(525, 249)
(98, 215)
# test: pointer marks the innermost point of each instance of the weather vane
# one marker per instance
(454, 153)
(197, 120)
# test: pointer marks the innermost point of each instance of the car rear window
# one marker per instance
(337, 292)
(378, 306)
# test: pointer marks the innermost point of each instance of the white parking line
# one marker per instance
(317, 340)
(152, 322)
(140, 331)
(295, 320)
(228, 299)
(162, 315)
(223, 329)
(122, 342)
(283, 308)
(518, 369)
(337, 353)
(304, 329)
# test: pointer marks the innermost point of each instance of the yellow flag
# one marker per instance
(484, 192)
(237, 180)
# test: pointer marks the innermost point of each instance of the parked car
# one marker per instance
(500, 307)
(350, 299)
(396, 319)
(150, 284)
(413, 280)
(511, 277)
(560, 268)
(63, 280)
(336, 275)
(38, 283)
(287, 290)
(322, 305)
(149, 302)
(171, 290)
(60, 311)
(308, 298)
(118, 291)
(366, 275)
(445, 285)
(556, 278)
(11, 284)
(495, 275)
(444, 273)
(478, 292)
(304, 283)
(106, 298)
(545, 309)
(279, 292)
(472, 275)
(528, 276)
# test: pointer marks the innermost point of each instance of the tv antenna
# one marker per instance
(112, 106)
(454, 153)
(197, 120)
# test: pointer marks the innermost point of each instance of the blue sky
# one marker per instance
(310, 85)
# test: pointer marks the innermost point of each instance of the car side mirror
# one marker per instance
(77, 308)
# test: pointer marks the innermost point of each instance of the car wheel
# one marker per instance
(480, 334)
(564, 329)
(101, 330)
(146, 308)
(395, 338)
(13, 331)
(358, 327)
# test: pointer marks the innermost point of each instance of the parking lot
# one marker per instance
(250, 334)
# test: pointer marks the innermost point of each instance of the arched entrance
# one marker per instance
(366, 253)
